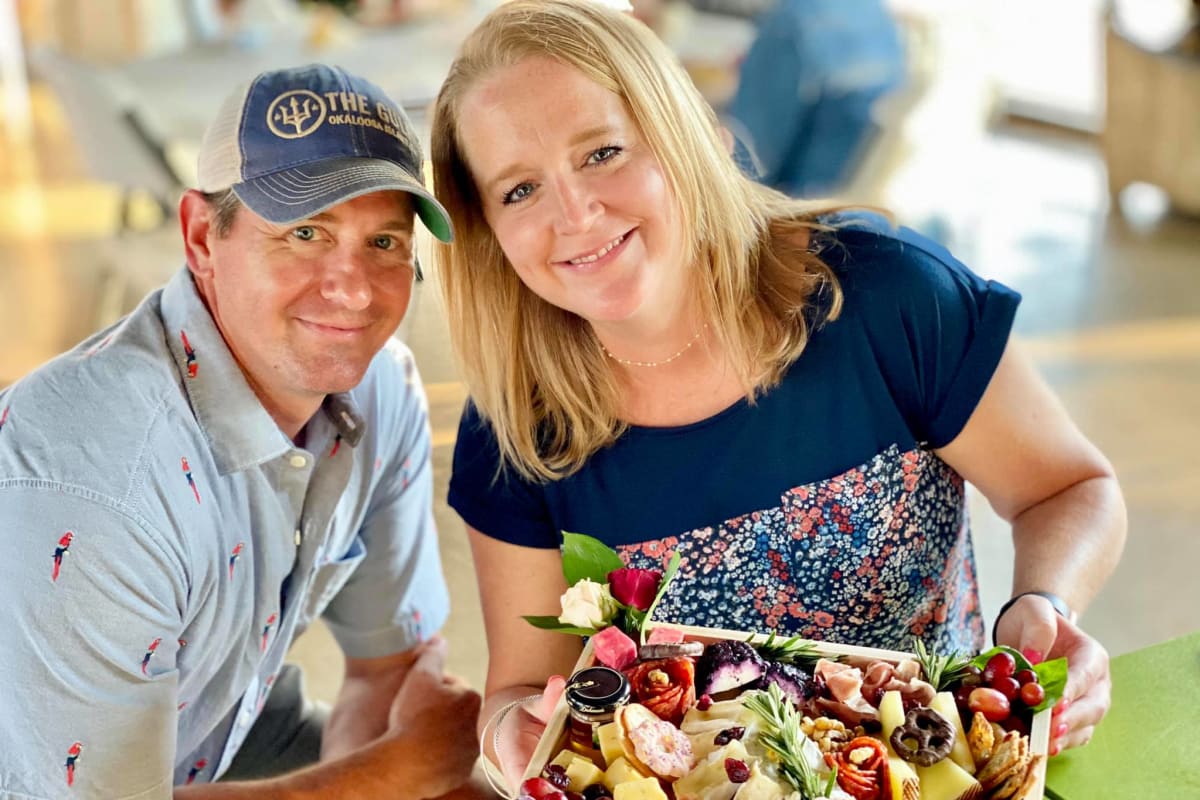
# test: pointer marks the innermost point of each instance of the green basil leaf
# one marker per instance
(982, 659)
(672, 568)
(586, 557)
(1052, 675)
(552, 624)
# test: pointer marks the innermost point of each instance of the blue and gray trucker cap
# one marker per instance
(293, 142)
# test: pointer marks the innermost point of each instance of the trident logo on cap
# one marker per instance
(301, 109)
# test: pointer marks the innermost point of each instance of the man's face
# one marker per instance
(304, 307)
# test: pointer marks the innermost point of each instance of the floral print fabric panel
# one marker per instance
(873, 556)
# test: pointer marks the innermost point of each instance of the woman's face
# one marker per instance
(573, 193)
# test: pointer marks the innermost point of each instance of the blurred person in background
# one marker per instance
(182, 494)
(806, 89)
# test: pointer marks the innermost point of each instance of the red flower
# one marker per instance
(634, 587)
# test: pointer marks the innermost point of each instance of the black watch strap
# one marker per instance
(1059, 604)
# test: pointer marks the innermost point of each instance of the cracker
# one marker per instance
(981, 739)
(1031, 778)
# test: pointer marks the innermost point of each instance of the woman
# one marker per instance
(668, 357)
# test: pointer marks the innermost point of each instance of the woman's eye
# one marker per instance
(518, 193)
(305, 233)
(603, 154)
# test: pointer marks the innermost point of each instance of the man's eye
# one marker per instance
(305, 233)
(385, 242)
(518, 193)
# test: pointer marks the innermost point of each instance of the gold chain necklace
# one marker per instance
(631, 363)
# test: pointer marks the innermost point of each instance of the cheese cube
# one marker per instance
(581, 772)
(621, 771)
(610, 742)
(564, 758)
(643, 789)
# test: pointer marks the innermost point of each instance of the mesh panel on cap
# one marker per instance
(219, 164)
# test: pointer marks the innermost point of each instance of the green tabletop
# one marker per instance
(1148, 747)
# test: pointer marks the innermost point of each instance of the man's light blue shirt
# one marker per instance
(162, 543)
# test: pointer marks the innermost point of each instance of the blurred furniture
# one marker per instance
(1152, 126)
(115, 141)
(177, 95)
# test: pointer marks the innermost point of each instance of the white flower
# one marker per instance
(588, 604)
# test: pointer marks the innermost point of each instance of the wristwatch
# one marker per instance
(1059, 604)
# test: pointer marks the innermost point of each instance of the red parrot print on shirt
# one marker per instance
(187, 470)
(73, 754)
(234, 556)
(266, 631)
(61, 552)
(150, 653)
(196, 769)
(192, 366)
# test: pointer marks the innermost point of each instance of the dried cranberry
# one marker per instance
(704, 703)
(737, 770)
(728, 735)
(557, 774)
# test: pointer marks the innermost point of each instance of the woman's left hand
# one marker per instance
(1033, 626)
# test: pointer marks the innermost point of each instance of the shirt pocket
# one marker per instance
(330, 577)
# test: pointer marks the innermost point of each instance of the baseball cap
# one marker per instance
(293, 142)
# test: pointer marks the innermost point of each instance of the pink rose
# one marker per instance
(634, 587)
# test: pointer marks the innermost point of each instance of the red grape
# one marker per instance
(1007, 687)
(1032, 694)
(991, 703)
(1025, 676)
(1001, 665)
(539, 788)
(962, 695)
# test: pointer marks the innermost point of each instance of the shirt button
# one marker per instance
(299, 537)
(246, 718)
(299, 461)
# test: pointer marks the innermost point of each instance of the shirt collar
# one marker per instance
(240, 431)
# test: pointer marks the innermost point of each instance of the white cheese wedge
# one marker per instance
(708, 780)
(946, 780)
(961, 752)
(891, 716)
(905, 784)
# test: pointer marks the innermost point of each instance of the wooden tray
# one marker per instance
(555, 736)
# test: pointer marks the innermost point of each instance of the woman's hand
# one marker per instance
(1033, 626)
(515, 737)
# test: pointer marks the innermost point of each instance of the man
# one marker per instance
(183, 493)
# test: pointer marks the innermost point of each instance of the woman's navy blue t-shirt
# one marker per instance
(820, 509)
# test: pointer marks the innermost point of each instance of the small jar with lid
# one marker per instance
(593, 696)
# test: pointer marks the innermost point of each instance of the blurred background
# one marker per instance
(1052, 146)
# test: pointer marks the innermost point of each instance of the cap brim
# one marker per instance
(300, 192)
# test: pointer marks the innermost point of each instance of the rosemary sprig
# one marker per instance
(795, 650)
(940, 670)
(781, 735)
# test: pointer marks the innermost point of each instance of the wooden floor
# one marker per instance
(1111, 313)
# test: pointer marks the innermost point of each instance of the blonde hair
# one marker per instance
(535, 371)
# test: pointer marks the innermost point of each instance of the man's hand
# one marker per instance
(1033, 626)
(433, 716)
